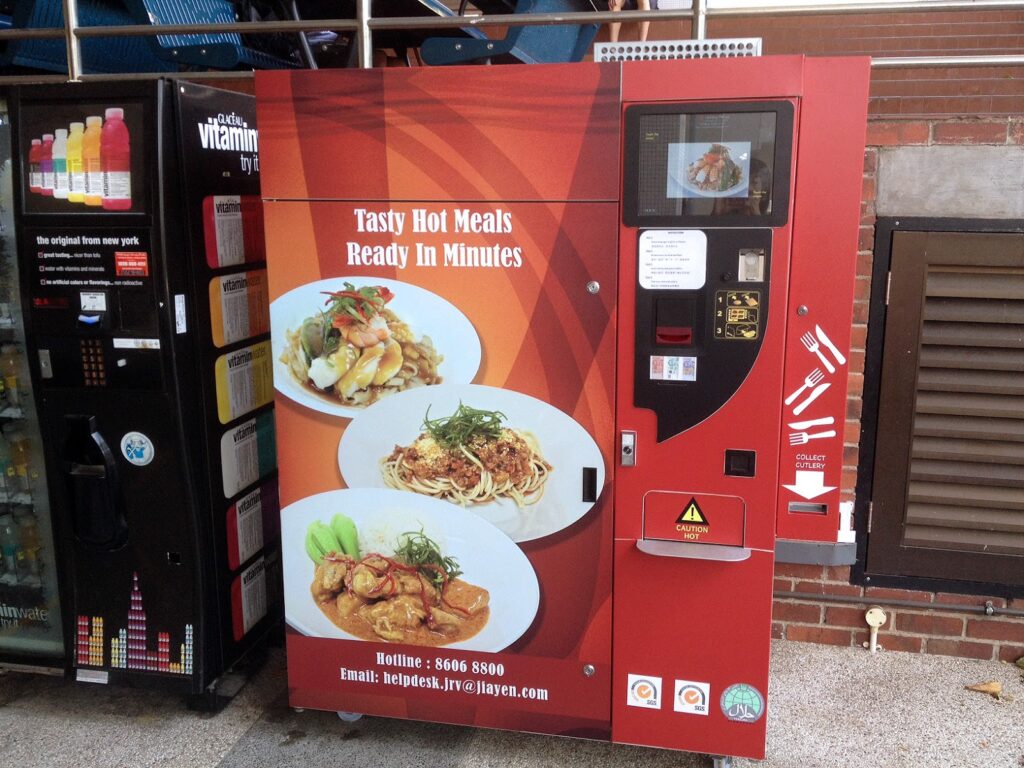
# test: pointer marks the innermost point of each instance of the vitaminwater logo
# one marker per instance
(12, 616)
(231, 133)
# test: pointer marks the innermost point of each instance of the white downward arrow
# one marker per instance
(809, 485)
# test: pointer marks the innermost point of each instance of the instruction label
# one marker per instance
(244, 381)
(672, 259)
(249, 598)
(233, 230)
(738, 315)
(238, 307)
(247, 453)
(251, 521)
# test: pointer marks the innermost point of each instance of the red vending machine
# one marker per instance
(537, 336)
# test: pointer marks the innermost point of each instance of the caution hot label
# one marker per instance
(692, 514)
(694, 518)
(691, 523)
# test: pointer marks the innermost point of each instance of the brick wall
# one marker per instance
(916, 630)
(895, 93)
(907, 629)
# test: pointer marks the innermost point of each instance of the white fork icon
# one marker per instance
(812, 345)
(801, 438)
(813, 378)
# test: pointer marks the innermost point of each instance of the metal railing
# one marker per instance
(365, 24)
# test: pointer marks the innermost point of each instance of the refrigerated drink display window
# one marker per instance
(30, 623)
(697, 165)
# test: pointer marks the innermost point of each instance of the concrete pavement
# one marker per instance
(828, 708)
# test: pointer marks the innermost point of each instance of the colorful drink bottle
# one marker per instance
(46, 164)
(91, 160)
(21, 458)
(115, 159)
(10, 366)
(9, 548)
(8, 475)
(76, 169)
(60, 163)
(28, 533)
(35, 170)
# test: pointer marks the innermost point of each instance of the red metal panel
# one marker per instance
(707, 622)
(697, 622)
(461, 133)
(823, 276)
(752, 79)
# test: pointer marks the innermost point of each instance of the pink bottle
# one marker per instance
(46, 164)
(115, 162)
(35, 170)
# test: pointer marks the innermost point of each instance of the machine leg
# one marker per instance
(722, 761)
(350, 717)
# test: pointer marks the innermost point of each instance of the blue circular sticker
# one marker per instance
(137, 449)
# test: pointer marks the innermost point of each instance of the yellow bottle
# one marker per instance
(9, 368)
(21, 458)
(76, 167)
(91, 160)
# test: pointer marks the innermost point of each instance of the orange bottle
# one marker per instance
(91, 160)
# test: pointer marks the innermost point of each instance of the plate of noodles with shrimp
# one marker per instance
(343, 344)
(715, 169)
(518, 462)
(383, 566)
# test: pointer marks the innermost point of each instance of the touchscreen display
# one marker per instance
(706, 164)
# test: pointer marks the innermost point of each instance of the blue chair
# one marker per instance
(99, 55)
(222, 50)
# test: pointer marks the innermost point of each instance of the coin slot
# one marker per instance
(807, 508)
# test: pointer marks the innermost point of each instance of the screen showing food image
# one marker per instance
(469, 457)
(347, 343)
(700, 163)
(708, 169)
(514, 460)
(383, 566)
(413, 595)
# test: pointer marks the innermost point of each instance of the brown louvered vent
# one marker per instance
(953, 386)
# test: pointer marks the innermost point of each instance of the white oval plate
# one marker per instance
(426, 313)
(564, 444)
(486, 556)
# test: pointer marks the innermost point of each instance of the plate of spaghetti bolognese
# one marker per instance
(516, 461)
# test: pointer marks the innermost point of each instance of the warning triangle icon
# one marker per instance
(692, 514)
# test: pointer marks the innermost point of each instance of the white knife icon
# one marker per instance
(828, 343)
(825, 421)
(815, 394)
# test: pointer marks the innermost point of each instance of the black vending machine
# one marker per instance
(144, 290)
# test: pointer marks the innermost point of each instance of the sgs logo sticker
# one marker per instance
(644, 691)
(691, 697)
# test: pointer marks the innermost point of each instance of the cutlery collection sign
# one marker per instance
(814, 420)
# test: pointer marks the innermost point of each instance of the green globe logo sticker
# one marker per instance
(743, 703)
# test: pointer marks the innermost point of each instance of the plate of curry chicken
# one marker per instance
(385, 566)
